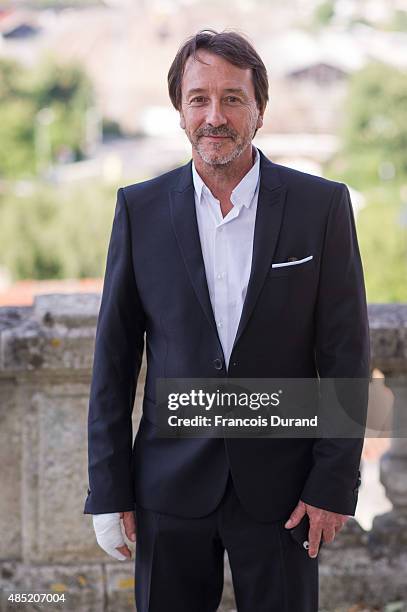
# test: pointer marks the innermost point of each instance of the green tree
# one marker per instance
(398, 21)
(46, 233)
(375, 128)
(16, 126)
(373, 159)
(65, 91)
(324, 12)
(383, 245)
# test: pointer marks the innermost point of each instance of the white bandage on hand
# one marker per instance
(109, 533)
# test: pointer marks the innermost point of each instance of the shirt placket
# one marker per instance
(222, 263)
(220, 283)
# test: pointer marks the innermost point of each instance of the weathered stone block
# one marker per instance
(10, 462)
(120, 586)
(55, 476)
(82, 585)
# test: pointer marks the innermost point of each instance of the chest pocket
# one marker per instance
(302, 266)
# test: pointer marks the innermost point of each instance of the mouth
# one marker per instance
(217, 137)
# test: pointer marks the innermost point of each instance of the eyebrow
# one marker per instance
(200, 90)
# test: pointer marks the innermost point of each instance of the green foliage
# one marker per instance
(375, 130)
(382, 235)
(56, 232)
(29, 142)
(383, 246)
(61, 85)
(68, 94)
(16, 125)
(324, 12)
(17, 152)
(375, 135)
(11, 79)
(399, 21)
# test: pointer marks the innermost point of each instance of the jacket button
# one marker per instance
(218, 364)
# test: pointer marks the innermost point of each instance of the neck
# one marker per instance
(222, 179)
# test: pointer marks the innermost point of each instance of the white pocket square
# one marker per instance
(291, 263)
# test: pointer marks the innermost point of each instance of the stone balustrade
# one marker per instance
(47, 543)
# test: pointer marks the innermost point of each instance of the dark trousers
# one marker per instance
(179, 562)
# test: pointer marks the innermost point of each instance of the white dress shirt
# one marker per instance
(227, 246)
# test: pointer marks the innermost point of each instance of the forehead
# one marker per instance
(215, 73)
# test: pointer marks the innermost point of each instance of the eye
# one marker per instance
(232, 99)
(197, 100)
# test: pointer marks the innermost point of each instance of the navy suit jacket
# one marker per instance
(303, 321)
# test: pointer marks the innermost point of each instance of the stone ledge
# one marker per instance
(388, 335)
(82, 585)
(57, 333)
(69, 309)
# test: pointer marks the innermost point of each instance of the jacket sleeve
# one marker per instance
(342, 351)
(118, 355)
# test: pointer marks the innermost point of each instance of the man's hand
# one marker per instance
(109, 534)
(322, 523)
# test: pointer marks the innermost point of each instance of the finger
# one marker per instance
(296, 515)
(314, 538)
(116, 554)
(328, 534)
(124, 550)
(129, 524)
(338, 527)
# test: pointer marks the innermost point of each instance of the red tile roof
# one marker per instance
(21, 293)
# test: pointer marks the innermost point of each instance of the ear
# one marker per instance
(181, 120)
(259, 123)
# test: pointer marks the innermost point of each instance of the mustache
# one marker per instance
(222, 131)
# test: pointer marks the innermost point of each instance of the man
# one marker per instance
(190, 265)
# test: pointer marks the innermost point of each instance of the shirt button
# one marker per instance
(218, 364)
(220, 323)
(219, 276)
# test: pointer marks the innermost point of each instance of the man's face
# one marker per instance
(219, 111)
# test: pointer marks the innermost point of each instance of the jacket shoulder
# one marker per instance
(304, 180)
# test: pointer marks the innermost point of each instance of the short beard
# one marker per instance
(220, 160)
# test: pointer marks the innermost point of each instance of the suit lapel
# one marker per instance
(269, 216)
(183, 214)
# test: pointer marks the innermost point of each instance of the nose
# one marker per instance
(215, 116)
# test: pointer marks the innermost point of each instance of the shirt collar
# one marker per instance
(242, 194)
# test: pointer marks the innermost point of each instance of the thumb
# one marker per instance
(129, 525)
(296, 515)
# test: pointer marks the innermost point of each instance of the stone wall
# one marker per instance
(47, 543)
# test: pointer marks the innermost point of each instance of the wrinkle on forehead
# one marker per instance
(210, 71)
